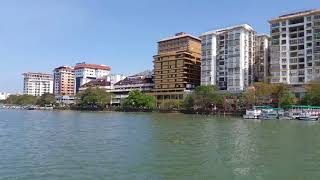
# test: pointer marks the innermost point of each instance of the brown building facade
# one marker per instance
(64, 81)
(177, 66)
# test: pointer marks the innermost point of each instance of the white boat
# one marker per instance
(252, 114)
(308, 117)
(286, 118)
(268, 114)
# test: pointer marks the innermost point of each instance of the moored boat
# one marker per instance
(308, 117)
(252, 114)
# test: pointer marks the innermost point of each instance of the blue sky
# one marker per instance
(39, 35)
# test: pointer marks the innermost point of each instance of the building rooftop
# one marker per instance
(36, 74)
(263, 35)
(296, 14)
(92, 66)
(218, 31)
(97, 83)
(146, 73)
(132, 81)
(179, 35)
(64, 67)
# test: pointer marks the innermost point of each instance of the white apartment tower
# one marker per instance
(227, 58)
(295, 48)
(37, 84)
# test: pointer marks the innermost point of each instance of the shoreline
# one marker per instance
(128, 110)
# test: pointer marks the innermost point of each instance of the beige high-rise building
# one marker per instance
(295, 48)
(177, 66)
(64, 81)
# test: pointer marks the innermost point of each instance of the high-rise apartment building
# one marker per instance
(37, 84)
(176, 66)
(84, 73)
(227, 58)
(64, 81)
(261, 59)
(295, 48)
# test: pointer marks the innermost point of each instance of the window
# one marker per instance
(283, 41)
(296, 20)
(283, 23)
(293, 48)
(309, 51)
(293, 66)
(275, 25)
(309, 45)
(294, 60)
(283, 48)
(284, 35)
(309, 38)
(309, 18)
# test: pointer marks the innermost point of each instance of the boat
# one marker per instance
(268, 114)
(299, 111)
(308, 117)
(252, 114)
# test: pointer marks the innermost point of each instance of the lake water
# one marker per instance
(78, 145)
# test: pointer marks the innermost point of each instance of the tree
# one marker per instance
(287, 98)
(21, 99)
(188, 102)
(204, 98)
(248, 98)
(137, 99)
(46, 99)
(94, 97)
(171, 104)
(312, 96)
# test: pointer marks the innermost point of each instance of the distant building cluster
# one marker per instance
(232, 58)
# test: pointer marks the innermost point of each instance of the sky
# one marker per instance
(39, 35)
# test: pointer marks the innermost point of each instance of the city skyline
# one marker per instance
(38, 36)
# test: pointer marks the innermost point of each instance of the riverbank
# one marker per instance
(121, 109)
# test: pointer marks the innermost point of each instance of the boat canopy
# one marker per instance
(262, 107)
(301, 107)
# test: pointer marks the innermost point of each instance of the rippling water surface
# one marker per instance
(76, 145)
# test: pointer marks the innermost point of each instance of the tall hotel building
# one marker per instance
(261, 59)
(84, 73)
(295, 48)
(37, 84)
(177, 66)
(63, 81)
(227, 58)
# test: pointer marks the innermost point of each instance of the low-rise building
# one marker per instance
(4, 96)
(36, 84)
(141, 82)
(101, 83)
(66, 100)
